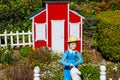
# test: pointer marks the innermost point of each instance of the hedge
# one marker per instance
(108, 35)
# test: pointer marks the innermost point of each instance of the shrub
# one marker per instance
(40, 57)
(6, 55)
(113, 71)
(48, 62)
(108, 35)
(24, 51)
(58, 75)
(89, 72)
(90, 25)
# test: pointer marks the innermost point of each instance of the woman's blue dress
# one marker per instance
(68, 58)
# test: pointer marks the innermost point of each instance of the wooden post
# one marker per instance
(36, 73)
(0, 41)
(29, 38)
(23, 38)
(11, 36)
(102, 72)
(5, 33)
(17, 43)
(17, 34)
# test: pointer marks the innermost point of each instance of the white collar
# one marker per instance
(71, 51)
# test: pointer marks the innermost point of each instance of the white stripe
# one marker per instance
(47, 24)
(37, 14)
(33, 38)
(81, 34)
(77, 14)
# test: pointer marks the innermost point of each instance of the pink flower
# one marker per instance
(107, 7)
(99, 9)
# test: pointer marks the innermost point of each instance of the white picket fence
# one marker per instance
(11, 35)
(102, 73)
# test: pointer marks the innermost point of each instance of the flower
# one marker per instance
(107, 7)
(103, 3)
(115, 68)
(99, 9)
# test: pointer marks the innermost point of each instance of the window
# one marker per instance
(40, 31)
(75, 30)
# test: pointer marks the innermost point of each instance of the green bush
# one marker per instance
(6, 55)
(89, 72)
(108, 35)
(58, 75)
(40, 57)
(24, 51)
(48, 62)
(14, 14)
(89, 27)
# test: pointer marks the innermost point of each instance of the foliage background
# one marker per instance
(108, 35)
(14, 14)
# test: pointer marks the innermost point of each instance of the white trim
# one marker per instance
(81, 33)
(58, 20)
(42, 27)
(33, 33)
(79, 36)
(68, 23)
(77, 14)
(45, 32)
(47, 24)
(75, 22)
(37, 14)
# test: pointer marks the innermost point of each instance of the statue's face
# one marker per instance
(72, 45)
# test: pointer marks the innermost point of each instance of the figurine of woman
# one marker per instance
(70, 58)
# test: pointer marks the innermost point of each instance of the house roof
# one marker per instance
(61, 1)
(77, 13)
(36, 12)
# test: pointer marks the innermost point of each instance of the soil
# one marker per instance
(3, 71)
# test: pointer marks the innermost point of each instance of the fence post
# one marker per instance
(36, 73)
(23, 37)
(17, 34)
(0, 41)
(5, 37)
(29, 38)
(102, 72)
(11, 39)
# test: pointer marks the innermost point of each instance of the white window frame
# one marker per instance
(75, 30)
(40, 31)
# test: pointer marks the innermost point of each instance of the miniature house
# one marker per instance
(53, 25)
